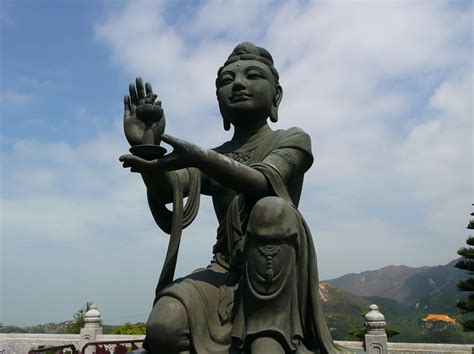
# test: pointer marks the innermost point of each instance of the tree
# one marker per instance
(78, 321)
(128, 328)
(360, 332)
(467, 263)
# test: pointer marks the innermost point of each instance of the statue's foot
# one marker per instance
(266, 345)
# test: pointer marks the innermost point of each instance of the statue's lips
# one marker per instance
(239, 97)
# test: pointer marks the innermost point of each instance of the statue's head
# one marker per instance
(247, 86)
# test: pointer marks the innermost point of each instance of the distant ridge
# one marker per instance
(423, 288)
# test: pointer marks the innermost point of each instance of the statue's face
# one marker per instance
(245, 91)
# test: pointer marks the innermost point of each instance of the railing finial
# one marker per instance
(92, 317)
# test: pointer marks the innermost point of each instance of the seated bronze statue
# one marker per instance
(260, 292)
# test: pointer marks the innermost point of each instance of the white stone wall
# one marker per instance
(22, 343)
(425, 348)
(12, 343)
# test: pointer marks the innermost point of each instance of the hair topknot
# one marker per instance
(250, 48)
(249, 51)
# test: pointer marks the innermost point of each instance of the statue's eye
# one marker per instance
(254, 75)
(226, 79)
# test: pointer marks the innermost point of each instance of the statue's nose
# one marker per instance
(238, 84)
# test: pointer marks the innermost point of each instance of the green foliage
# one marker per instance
(468, 324)
(467, 263)
(78, 321)
(467, 252)
(391, 332)
(133, 329)
(360, 332)
(466, 285)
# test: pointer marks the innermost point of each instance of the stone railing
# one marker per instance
(375, 340)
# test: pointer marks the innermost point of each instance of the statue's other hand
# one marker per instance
(141, 111)
(184, 155)
(137, 164)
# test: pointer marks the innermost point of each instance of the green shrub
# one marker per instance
(133, 329)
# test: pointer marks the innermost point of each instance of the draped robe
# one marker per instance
(219, 320)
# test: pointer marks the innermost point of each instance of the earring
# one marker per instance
(274, 114)
(226, 125)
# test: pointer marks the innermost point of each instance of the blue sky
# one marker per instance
(383, 88)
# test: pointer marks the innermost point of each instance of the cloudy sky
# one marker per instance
(383, 88)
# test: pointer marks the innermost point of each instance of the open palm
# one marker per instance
(141, 111)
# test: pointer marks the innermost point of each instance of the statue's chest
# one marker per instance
(221, 195)
(244, 157)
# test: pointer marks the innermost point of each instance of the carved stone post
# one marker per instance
(376, 338)
(91, 327)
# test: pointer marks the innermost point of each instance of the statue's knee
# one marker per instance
(272, 233)
(167, 328)
(272, 218)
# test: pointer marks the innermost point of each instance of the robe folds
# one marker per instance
(220, 320)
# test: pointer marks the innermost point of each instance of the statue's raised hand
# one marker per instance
(144, 120)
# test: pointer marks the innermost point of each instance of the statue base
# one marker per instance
(148, 151)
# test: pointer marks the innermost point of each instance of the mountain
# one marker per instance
(426, 289)
(345, 311)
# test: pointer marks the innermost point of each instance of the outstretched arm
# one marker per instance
(230, 173)
(223, 169)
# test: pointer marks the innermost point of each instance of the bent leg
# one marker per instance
(272, 236)
(271, 290)
(167, 328)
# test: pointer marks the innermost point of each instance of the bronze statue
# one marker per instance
(260, 293)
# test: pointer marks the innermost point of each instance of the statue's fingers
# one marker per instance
(148, 89)
(129, 160)
(151, 98)
(133, 94)
(125, 157)
(140, 88)
(137, 163)
(171, 140)
(127, 108)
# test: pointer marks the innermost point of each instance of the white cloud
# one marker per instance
(73, 216)
(436, 156)
(381, 87)
(357, 77)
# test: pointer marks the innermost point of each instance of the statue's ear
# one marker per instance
(276, 103)
(226, 124)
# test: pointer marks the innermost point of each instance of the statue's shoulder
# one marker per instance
(294, 137)
(223, 148)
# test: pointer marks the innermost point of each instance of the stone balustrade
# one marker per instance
(375, 340)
